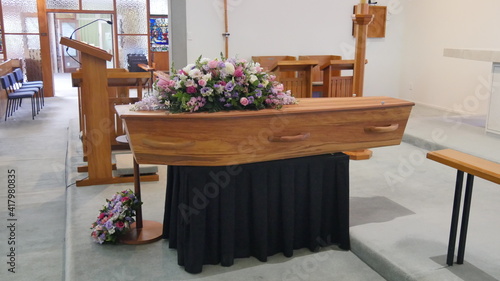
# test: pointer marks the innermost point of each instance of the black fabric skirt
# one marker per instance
(216, 214)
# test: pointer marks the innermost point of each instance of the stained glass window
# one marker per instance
(158, 34)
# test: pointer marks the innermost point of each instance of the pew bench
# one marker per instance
(473, 166)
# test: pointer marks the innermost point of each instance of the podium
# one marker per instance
(300, 83)
(97, 126)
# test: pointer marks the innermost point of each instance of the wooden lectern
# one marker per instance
(300, 84)
(95, 114)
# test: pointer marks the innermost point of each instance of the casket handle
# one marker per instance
(382, 129)
(166, 144)
(299, 137)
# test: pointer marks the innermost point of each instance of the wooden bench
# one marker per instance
(473, 166)
(317, 73)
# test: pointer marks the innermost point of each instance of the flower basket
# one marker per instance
(115, 217)
(215, 85)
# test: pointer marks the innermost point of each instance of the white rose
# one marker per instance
(229, 69)
(207, 77)
(195, 73)
(188, 67)
(252, 70)
(253, 78)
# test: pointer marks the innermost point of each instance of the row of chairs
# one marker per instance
(17, 89)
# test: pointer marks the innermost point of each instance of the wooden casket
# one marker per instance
(314, 126)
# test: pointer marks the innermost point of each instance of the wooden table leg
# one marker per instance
(141, 232)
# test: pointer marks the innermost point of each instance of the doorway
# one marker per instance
(96, 30)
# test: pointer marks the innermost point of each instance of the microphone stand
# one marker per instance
(71, 36)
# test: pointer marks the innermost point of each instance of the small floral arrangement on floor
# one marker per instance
(214, 85)
(115, 217)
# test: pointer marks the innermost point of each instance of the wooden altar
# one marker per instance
(311, 127)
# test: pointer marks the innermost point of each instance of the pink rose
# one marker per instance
(213, 64)
(191, 90)
(124, 199)
(238, 72)
(163, 82)
(170, 83)
(244, 101)
(101, 216)
(120, 224)
(202, 83)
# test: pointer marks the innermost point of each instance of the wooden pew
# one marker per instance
(301, 81)
(334, 84)
(317, 73)
(267, 62)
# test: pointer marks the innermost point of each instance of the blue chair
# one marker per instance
(18, 74)
(14, 98)
(20, 88)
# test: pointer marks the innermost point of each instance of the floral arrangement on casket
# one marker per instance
(115, 217)
(215, 85)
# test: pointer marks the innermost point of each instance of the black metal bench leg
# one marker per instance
(454, 217)
(465, 218)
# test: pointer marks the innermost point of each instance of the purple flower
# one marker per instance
(109, 224)
(258, 93)
(229, 86)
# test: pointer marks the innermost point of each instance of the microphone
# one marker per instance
(73, 33)
(108, 21)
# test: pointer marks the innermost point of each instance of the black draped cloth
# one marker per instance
(216, 214)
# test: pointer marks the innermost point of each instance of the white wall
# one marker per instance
(407, 63)
(449, 83)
